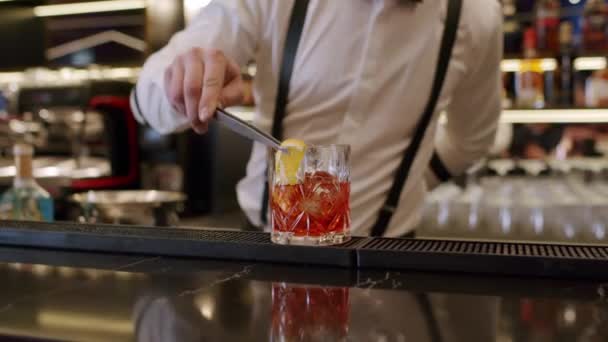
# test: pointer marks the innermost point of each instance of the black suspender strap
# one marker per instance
(292, 40)
(445, 53)
(294, 33)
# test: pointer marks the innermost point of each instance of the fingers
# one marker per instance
(200, 127)
(193, 80)
(174, 79)
(198, 81)
(213, 82)
(232, 93)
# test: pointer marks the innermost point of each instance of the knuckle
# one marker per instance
(193, 54)
(212, 82)
(205, 101)
(193, 89)
(215, 54)
(179, 60)
(176, 72)
(175, 95)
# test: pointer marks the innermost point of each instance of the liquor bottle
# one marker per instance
(512, 28)
(525, 6)
(547, 25)
(566, 93)
(595, 29)
(26, 200)
(529, 82)
(572, 12)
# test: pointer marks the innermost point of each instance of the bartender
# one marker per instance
(373, 74)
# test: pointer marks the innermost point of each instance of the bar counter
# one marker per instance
(50, 294)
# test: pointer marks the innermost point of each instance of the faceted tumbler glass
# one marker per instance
(309, 201)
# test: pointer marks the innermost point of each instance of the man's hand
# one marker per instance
(198, 81)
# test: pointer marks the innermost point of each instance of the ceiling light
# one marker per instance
(88, 7)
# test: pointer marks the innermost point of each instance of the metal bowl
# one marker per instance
(146, 207)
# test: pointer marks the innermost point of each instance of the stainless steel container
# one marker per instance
(142, 207)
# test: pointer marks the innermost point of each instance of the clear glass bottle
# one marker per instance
(26, 200)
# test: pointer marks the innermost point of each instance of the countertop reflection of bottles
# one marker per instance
(25, 200)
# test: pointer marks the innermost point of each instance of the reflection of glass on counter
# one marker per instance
(309, 313)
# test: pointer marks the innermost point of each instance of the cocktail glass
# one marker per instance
(309, 195)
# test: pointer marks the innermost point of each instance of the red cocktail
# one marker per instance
(311, 205)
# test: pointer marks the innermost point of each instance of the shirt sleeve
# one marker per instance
(233, 26)
(474, 109)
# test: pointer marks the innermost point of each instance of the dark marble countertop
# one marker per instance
(54, 295)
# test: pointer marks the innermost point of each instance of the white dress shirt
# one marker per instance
(362, 77)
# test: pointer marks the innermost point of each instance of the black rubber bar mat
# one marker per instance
(506, 258)
(216, 244)
(476, 257)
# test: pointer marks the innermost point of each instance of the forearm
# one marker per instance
(455, 153)
(475, 104)
(226, 26)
